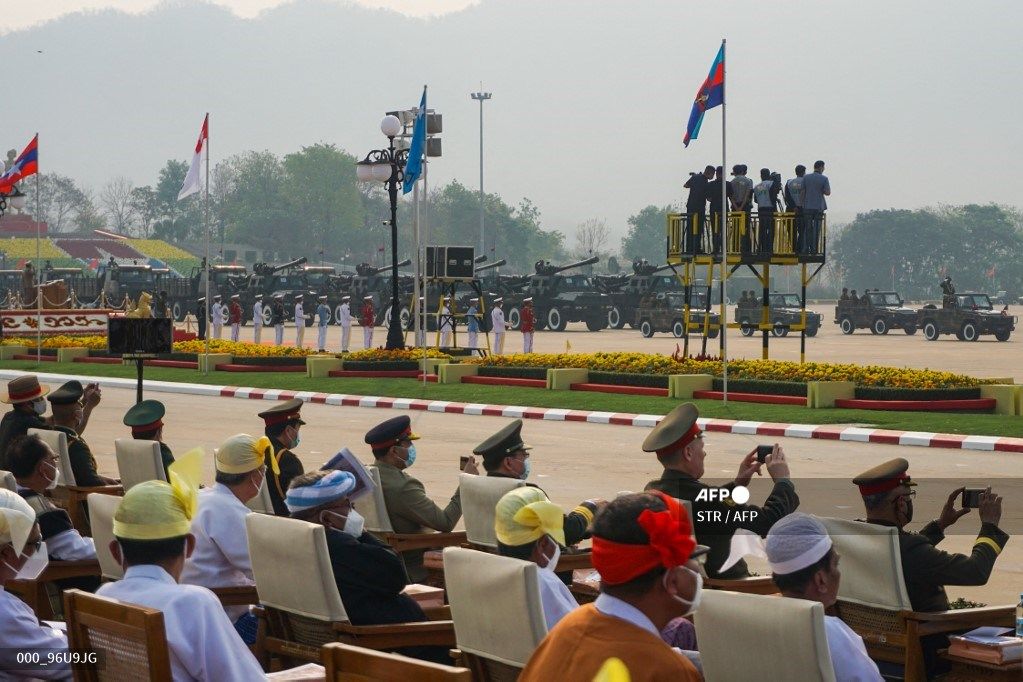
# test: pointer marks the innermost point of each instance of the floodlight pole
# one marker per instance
(481, 97)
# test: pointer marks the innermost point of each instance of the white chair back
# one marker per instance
(782, 638)
(138, 461)
(57, 440)
(292, 567)
(871, 564)
(480, 495)
(373, 507)
(101, 519)
(480, 585)
(8, 481)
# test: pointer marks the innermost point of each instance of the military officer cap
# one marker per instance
(23, 389)
(367, 298)
(323, 298)
(235, 297)
(474, 300)
(278, 297)
(217, 297)
(505, 442)
(298, 297)
(884, 477)
(69, 393)
(528, 300)
(498, 300)
(281, 413)
(259, 297)
(390, 432)
(346, 298)
(677, 429)
(201, 299)
(145, 416)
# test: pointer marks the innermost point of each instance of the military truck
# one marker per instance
(86, 284)
(665, 312)
(878, 311)
(785, 310)
(626, 290)
(225, 280)
(969, 316)
(558, 299)
(132, 280)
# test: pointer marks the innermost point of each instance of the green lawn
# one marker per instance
(978, 424)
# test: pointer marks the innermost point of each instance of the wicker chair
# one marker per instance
(70, 496)
(301, 607)
(481, 585)
(346, 663)
(138, 461)
(131, 638)
(755, 584)
(873, 601)
(782, 639)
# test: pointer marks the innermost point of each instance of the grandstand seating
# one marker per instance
(87, 249)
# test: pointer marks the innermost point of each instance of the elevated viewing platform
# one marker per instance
(700, 244)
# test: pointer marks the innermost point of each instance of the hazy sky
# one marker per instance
(911, 103)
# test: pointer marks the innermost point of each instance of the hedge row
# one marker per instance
(765, 387)
(514, 372)
(623, 379)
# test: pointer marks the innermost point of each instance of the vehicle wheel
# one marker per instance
(909, 329)
(713, 333)
(969, 331)
(847, 325)
(595, 324)
(615, 319)
(266, 316)
(812, 331)
(514, 317)
(880, 326)
(310, 319)
(1002, 335)
(556, 321)
(678, 330)
(745, 328)
(646, 329)
(780, 330)
(177, 311)
(931, 332)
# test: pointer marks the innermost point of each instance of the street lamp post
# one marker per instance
(481, 97)
(388, 166)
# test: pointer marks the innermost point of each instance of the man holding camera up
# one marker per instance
(696, 207)
(888, 496)
(678, 442)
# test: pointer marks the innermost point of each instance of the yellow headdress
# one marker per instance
(525, 514)
(155, 510)
(242, 453)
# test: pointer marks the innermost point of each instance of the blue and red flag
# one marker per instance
(25, 165)
(711, 94)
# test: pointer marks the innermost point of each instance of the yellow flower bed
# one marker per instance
(62, 341)
(156, 248)
(382, 355)
(25, 247)
(239, 349)
(767, 370)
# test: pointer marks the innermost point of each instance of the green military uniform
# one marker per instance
(408, 508)
(925, 568)
(507, 442)
(714, 521)
(288, 464)
(83, 464)
(145, 419)
(17, 422)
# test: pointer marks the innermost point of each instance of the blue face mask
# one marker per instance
(525, 470)
(410, 457)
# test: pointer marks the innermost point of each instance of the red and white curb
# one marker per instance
(753, 428)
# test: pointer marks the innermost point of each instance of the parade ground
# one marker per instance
(576, 461)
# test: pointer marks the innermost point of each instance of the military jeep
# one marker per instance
(785, 312)
(878, 311)
(969, 316)
(665, 312)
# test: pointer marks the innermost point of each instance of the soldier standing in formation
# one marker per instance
(527, 324)
(277, 319)
(472, 324)
(498, 326)
(446, 323)
(322, 318)
(345, 320)
(257, 318)
(217, 315)
(235, 317)
(300, 318)
(200, 317)
(367, 317)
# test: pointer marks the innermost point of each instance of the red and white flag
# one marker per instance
(191, 185)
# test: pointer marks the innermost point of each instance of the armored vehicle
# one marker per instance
(877, 311)
(626, 290)
(558, 299)
(665, 312)
(785, 311)
(225, 280)
(969, 316)
(375, 282)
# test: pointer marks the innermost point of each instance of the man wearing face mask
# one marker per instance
(152, 541)
(506, 456)
(23, 556)
(221, 554)
(644, 550)
(408, 507)
(529, 527)
(370, 576)
(281, 425)
(25, 394)
(68, 404)
(888, 497)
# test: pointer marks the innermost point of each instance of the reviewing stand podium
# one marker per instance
(139, 339)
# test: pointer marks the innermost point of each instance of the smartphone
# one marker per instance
(763, 451)
(971, 498)
(462, 461)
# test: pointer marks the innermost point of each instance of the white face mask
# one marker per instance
(56, 476)
(34, 566)
(552, 561)
(354, 524)
(694, 605)
(39, 407)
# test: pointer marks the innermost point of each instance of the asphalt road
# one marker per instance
(576, 461)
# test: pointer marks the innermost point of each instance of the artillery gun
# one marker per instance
(627, 290)
(558, 298)
(375, 282)
(286, 280)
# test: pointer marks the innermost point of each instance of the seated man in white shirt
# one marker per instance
(152, 541)
(221, 555)
(804, 565)
(530, 527)
(23, 556)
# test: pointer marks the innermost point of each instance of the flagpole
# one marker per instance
(426, 209)
(39, 267)
(206, 233)
(724, 228)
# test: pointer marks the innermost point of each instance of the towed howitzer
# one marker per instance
(367, 270)
(266, 269)
(544, 268)
(490, 266)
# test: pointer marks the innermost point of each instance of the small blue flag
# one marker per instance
(414, 165)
